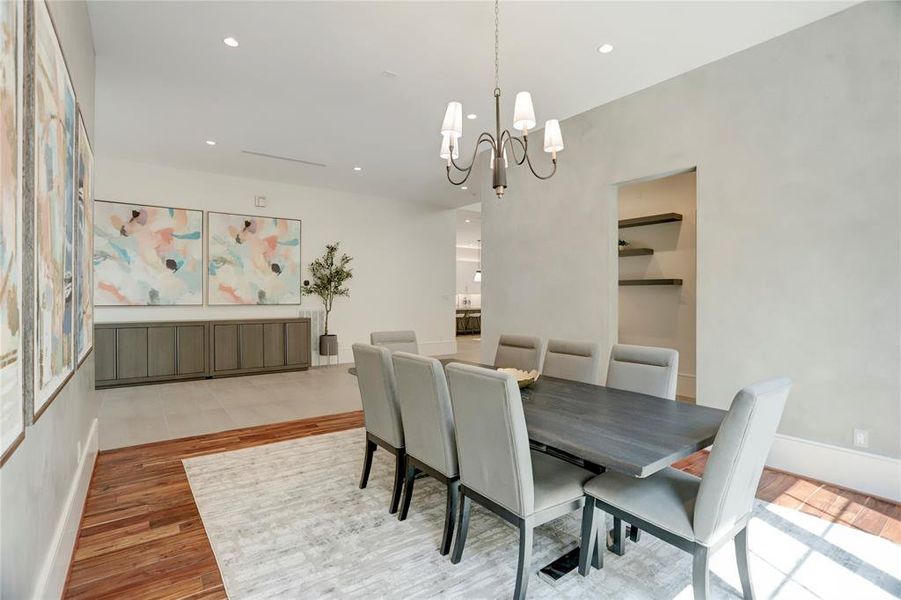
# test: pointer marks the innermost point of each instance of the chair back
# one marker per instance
(643, 369)
(375, 376)
(492, 440)
(737, 458)
(396, 341)
(426, 412)
(519, 352)
(576, 361)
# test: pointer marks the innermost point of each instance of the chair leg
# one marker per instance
(525, 561)
(453, 495)
(462, 527)
(399, 459)
(744, 567)
(590, 547)
(634, 533)
(617, 542)
(410, 471)
(700, 576)
(367, 463)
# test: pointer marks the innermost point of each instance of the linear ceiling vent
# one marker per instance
(287, 158)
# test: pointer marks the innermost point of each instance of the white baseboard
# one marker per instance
(56, 565)
(868, 473)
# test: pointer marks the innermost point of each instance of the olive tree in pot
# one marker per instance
(329, 274)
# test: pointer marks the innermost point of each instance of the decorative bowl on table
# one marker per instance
(523, 378)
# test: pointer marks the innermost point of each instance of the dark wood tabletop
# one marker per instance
(632, 433)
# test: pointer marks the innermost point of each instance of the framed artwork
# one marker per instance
(84, 246)
(12, 410)
(147, 255)
(253, 260)
(54, 191)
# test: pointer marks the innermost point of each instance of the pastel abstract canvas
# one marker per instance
(253, 260)
(11, 412)
(54, 189)
(84, 246)
(147, 255)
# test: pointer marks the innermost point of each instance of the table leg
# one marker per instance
(616, 539)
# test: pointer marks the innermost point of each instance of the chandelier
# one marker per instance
(523, 120)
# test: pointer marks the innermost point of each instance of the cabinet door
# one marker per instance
(274, 344)
(251, 345)
(225, 347)
(104, 354)
(160, 351)
(190, 349)
(131, 352)
(298, 343)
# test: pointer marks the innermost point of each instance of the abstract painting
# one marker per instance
(84, 246)
(12, 416)
(147, 255)
(253, 260)
(54, 191)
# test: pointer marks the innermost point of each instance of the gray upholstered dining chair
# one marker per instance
(381, 413)
(576, 361)
(643, 369)
(396, 341)
(519, 352)
(498, 470)
(699, 515)
(428, 420)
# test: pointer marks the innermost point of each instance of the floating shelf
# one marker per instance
(650, 282)
(636, 252)
(650, 220)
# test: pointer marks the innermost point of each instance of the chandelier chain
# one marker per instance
(497, 37)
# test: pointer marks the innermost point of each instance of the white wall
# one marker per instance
(43, 484)
(403, 252)
(796, 142)
(662, 316)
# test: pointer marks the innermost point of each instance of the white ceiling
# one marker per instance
(307, 81)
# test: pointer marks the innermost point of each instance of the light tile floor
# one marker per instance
(152, 413)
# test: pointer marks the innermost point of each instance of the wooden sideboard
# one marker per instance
(151, 352)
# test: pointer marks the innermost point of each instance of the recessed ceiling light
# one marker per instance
(210, 143)
(605, 48)
(358, 168)
(465, 188)
(472, 116)
(231, 42)
(467, 220)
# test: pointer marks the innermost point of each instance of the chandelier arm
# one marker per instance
(548, 176)
(522, 144)
(484, 137)
(462, 181)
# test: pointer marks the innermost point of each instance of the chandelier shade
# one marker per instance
(523, 112)
(553, 139)
(453, 120)
(445, 148)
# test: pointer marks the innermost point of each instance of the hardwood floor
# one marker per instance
(141, 535)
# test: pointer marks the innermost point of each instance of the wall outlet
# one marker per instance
(862, 438)
(259, 201)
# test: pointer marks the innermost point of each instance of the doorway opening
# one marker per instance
(658, 268)
(468, 304)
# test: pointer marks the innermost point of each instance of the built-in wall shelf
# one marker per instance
(650, 282)
(636, 252)
(650, 220)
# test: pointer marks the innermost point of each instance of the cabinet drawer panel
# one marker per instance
(225, 347)
(104, 354)
(131, 352)
(298, 343)
(274, 344)
(160, 351)
(251, 345)
(191, 350)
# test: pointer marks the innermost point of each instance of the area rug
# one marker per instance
(287, 520)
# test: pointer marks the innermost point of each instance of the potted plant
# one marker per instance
(329, 273)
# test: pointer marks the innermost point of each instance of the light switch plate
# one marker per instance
(259, 201)
(862, 438)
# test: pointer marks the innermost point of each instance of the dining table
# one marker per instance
(609, 429)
